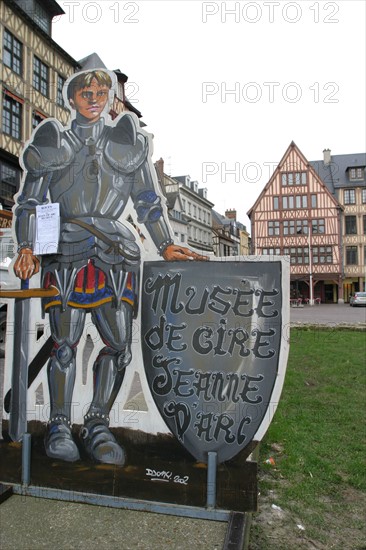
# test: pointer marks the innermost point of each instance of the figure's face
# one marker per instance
(91, 100)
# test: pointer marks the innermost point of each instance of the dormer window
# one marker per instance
(356, 173)
(42, 12)
(41, 17)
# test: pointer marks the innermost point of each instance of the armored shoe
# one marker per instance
(58, 440)
(100, 444)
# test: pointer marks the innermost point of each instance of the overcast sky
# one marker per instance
(226, 86)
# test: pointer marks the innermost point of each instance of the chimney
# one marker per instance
(326, 157)
(231, 214)
(159, 166)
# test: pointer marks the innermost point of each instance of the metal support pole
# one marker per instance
(211, 479)
(26, 459)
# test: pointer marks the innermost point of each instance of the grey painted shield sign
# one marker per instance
(211, 337)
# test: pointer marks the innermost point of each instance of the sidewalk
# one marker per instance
(28, 523)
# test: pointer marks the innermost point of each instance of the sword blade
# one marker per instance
(19, 379)
(34, 368)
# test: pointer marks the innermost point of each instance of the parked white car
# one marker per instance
(357, 299)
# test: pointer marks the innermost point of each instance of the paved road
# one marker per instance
(31, 523)
(328, 314)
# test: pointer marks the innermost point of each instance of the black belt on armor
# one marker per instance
(114, 247)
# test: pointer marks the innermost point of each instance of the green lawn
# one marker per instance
(317, 437)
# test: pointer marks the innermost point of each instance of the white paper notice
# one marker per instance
(47, 229)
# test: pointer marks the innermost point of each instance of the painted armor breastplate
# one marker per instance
(91, 180)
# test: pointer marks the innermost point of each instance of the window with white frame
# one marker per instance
(356, 173)
(349, 196)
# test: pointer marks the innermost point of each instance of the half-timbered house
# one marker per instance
(33, 70)
(296, 215)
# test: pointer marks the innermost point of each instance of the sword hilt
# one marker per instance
(24, 284)
(29, 292)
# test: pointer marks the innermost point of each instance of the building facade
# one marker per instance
(241, 230)
(230, 237)
(297, 216)
(197, 211)
(190, 212)
(344, 175)
(171, 190)
(33, 70)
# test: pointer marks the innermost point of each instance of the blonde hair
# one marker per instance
(84, 80)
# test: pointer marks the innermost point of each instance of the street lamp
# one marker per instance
(311, 301)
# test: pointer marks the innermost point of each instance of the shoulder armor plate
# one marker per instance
(49, 149)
